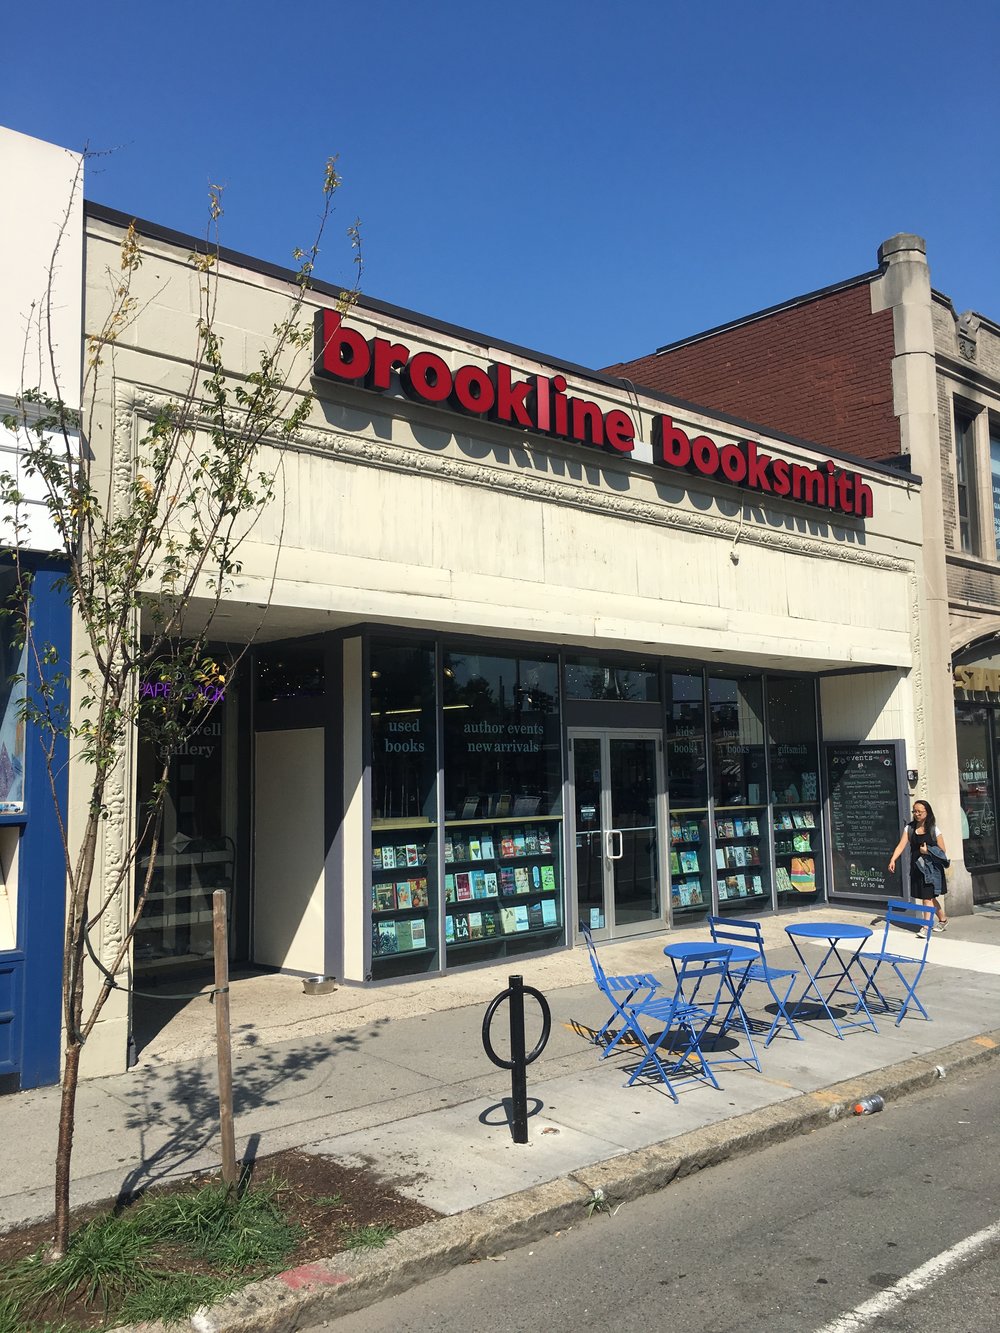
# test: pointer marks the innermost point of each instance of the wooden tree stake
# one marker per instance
(220, 940)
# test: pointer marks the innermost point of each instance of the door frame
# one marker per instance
(611, 931)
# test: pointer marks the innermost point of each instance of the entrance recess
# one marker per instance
(618, 806)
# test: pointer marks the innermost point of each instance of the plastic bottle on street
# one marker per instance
(869, 1105)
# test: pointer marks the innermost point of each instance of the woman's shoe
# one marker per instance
(940, 926)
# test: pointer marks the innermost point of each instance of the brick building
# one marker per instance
(881, 366)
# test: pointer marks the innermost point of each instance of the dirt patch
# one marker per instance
(329, 1201)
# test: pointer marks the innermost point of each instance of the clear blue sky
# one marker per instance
(588, 179)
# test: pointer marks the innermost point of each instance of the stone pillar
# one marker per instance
(904, 287)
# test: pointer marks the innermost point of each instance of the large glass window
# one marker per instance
(995, 483)
(405, 920)
(976, 785)
(793, 753)
(503, 804)
(965, 480)
(685, 740)
(736, 713)
(601, 678)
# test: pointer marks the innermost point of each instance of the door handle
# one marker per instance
(612, 854)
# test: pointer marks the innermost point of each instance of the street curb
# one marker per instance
(350, 1281)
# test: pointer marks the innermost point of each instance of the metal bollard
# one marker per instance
(519, 1061)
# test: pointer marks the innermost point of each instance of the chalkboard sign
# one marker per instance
(866, 796)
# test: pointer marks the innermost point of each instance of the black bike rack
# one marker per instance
(519, 1061)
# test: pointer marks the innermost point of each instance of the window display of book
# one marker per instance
(402, 896)
(797, 850)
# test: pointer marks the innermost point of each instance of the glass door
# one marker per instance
(618, 808)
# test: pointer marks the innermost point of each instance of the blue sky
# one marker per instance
(588, 179)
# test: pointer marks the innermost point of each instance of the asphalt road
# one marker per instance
(809, 1237)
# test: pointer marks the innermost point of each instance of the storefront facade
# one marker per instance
(531, 650)
(39, 350)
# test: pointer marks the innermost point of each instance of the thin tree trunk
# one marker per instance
(64, 1149)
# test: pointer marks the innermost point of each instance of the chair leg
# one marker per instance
(911, 994)
(782, 1014)
(651, 1055)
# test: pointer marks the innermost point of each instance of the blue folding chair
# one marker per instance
(909, 916)
(611, 988)
(740, 933)
(682, 1020)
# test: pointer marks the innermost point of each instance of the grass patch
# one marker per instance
(366, 1238)
(161, 1258)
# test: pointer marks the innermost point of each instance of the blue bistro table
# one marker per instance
(740, 959)
(843, 943)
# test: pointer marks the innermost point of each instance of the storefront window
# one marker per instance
(197, 840)
(976, 786)
(404, 899)
(793, 754)
(601, 678)
(685, 740)
(736, 713)
(503, 883)
(13, 670)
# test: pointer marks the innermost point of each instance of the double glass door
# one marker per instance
(618, 807)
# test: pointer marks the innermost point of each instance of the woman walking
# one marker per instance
(928, 860)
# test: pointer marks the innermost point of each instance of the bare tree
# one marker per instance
(150, 539)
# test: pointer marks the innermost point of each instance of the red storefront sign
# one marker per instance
(540, 403)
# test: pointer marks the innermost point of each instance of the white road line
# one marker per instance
(886, 1301)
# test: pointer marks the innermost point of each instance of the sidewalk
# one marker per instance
(397, 1079)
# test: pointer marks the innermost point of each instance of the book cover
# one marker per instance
(475, 850)
(521, 917)
(720, 858)
(754, 857)
(461, 929)
(478, 878)
(741, 885)
(740, 856)
(723, 891)
(463, 886)
(544, 842)
(549, 915)
(810, 819)
(675, 830)
(384, 896)
(536, 878)
(753, 828)
(449, 930)
(508, 920)
(388, 858)
(387, 936)
(732, 886)
(418, 892)
(412, 855)
(486, 846)
(404, 893)
(675, 896)
(469, 807)
(506, 843)
(461, 849)
(449, 888)
(756, 884)
(421, 853)
(491, 884)
(475, 925)
(418, 933)
(689, 863)
(696, 897)
(522, 884)
(720, 828)
(798, 819)
(519, 844)
(508, 886)
(737, 828)
(535, 916)
(783, 879)
(693, 833)
(531, 845)
(803, 875)
(685, 895)
(548, 878)
(449, 850)
(376, 858)
(404, 935)
(675, 864)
